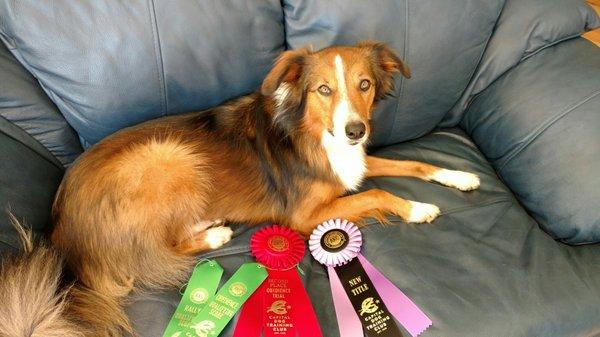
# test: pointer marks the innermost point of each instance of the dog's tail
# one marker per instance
(35, 300)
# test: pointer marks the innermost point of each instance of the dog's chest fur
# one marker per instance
(346, 161)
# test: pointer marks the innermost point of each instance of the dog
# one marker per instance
(134, 209)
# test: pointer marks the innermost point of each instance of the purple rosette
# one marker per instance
(335, 242)
(365, 301)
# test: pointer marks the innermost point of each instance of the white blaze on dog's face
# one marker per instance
(347, 123)
(337, 88)
(343, 97)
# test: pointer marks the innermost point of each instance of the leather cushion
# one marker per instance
(24, 103)
(524, 28)
(483, 268)
(112, 64)
(538, 125)
(29, 177)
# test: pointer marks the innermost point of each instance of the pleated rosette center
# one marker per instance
(277, 247)
(335, 242)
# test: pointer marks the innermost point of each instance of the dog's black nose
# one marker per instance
(355, 130)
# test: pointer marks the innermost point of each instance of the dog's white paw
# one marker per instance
(461, 180)
(218, 236)
(422, 212)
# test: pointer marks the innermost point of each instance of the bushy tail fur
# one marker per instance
(35, 302)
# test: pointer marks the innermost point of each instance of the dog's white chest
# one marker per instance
(347, 161)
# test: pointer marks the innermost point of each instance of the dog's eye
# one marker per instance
(324, 90)
(365, 85)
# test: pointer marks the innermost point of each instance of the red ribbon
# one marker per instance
(251, 317)
(280, 306)
(304, 314)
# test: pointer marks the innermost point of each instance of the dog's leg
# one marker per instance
(211, 238)
(372, 203)
(464, 181)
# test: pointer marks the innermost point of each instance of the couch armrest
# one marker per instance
(539, 125)
(24, 103)
(29, 177)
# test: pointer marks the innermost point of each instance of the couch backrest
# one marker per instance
(111, 64)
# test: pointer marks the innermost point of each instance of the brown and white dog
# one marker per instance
(135, 208)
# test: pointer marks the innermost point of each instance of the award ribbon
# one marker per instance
(362, 296)
(221, 308)
(202, 285)
(280, 306)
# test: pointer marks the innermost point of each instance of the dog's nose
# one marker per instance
(355, 130)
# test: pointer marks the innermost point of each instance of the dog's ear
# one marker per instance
(385, 64)
(288, 68)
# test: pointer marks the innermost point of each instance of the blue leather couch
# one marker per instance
(503, 88)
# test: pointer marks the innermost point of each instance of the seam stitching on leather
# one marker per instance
(525, 55)
(404, 53)
(542, 128)
(474, 96)
(454, 210)
(481, 204)
(158, 59)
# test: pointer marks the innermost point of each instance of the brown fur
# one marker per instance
(132, 210)
(32, 302)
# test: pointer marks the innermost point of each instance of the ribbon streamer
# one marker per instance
(280, 306)
(221, 307)
(336, 244)
(406, 311)
(200, 288)
(348, 322)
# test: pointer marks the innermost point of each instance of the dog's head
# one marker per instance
(331, 92)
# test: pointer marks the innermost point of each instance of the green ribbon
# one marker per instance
(201, 287)
(221, 308)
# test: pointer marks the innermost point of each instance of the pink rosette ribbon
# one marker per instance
(363, 297)
(280, 306)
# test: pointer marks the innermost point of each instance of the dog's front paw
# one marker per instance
(422, 212)
(218, 236)
(461, 180)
